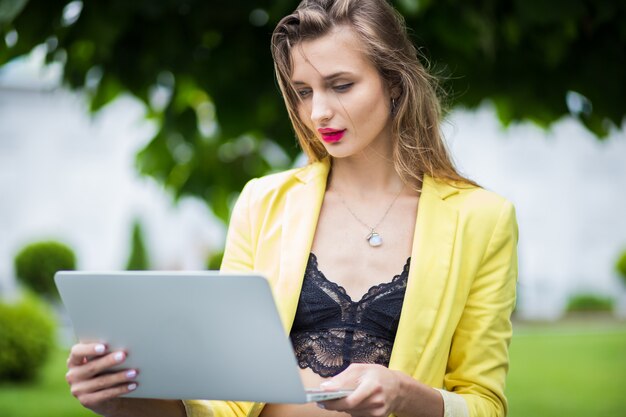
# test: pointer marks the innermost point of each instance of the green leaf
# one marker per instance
(9, 9)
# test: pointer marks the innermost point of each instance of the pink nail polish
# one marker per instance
(132, 387)
(99, 349)
(119, 357)
(131, 374)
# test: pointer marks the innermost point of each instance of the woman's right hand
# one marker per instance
(93, 382)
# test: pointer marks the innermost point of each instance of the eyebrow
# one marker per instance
(326, 78)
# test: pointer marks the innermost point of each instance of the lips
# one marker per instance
(331, 135)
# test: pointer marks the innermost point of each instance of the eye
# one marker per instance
(342, 87)
(304, 92)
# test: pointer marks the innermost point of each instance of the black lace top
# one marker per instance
(330, 331)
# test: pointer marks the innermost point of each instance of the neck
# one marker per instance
(364, 176)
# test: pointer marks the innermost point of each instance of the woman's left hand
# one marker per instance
(376, 391)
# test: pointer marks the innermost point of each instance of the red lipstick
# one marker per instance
(331, 135)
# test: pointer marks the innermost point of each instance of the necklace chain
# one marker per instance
(372, 229)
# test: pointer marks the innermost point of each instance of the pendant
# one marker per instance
(374, 239)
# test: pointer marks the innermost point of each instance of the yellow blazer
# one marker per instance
(454, 328)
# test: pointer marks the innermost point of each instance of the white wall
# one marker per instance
(65, 175)
(569, 190)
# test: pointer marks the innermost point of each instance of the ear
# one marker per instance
(395, 92)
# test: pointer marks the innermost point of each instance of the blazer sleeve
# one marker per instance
(479, 358)
(238, 256)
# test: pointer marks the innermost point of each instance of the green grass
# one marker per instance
(48, 396)
(557, 370)
(570, 369)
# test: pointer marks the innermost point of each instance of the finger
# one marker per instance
(347, 379)
(94, 367)
(103, 382)
(92, 399)
(357, 400)
(80, 351)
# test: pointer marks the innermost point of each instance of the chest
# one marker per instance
(343, 252)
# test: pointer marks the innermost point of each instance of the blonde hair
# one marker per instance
(418, 146)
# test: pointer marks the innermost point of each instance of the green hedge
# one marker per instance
(590, 302)
(36, 264)
(27, 333)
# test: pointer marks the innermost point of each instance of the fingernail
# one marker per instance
(99, 349)
(119, 357)
(327, 384)
(132, 387)
(131, 374)
(320, 405)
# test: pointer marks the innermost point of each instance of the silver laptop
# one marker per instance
(192, 335)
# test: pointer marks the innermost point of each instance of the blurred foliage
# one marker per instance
(621, 266)
(36, 264)
(204, 71)
(26, 338)
(138, 259)
(589, 302)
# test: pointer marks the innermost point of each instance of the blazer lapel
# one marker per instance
(302, 209)
(433, 243)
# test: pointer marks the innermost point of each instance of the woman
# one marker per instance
(394, 274)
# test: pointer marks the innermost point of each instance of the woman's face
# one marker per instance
(343, 98)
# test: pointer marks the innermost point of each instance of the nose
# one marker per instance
(321, 109)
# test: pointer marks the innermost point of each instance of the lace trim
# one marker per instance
(370, 292)
(330, 352)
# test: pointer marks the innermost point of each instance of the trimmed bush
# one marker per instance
(621, 267)
(36, 264)
(26, 338)
(589, 302)
(138, 259)
(214, 261)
